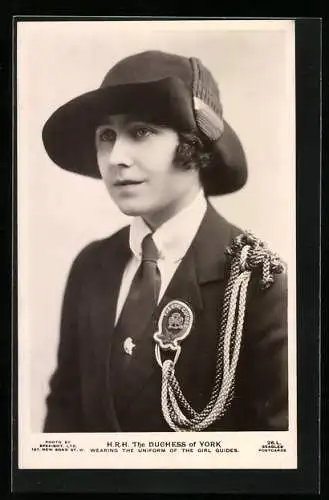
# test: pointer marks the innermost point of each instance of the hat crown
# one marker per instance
(147, 66)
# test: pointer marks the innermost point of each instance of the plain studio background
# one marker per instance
(60, 212)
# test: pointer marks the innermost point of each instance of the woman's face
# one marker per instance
(135, 160)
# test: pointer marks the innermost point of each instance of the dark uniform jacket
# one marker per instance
(82, 387)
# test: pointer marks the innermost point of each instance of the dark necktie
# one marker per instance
(143, 294)
(133, 326)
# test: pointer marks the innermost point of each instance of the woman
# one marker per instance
(178, 321)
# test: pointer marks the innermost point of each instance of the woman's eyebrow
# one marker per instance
(139, 123)
(111, 120)
(104, 124)
(143, 123)
(128, 121)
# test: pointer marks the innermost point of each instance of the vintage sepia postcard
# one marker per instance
(156, 244)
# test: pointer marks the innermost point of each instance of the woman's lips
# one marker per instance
(128, 182)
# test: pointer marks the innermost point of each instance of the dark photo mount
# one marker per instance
(307, 476)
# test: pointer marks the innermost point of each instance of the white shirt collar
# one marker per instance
(175, 236)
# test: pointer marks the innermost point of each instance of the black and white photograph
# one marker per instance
(156, 244)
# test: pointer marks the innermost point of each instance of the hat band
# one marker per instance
(208, 109)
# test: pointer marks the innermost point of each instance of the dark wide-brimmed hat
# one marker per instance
(170, 89)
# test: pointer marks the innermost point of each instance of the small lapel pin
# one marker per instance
(129, 345)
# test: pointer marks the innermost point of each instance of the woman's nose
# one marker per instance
(120, 153)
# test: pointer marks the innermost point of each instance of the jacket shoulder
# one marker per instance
(104, 248)
(222, 222)
(259, 256)
(239, 236)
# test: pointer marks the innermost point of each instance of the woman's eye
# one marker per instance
(141, 132)
(107, 135)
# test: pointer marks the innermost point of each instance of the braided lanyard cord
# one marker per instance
(247, 253)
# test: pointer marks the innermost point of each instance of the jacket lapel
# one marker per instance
(209, 247)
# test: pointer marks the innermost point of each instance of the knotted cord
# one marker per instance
(247, 255)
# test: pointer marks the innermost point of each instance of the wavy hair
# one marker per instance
(192, 152)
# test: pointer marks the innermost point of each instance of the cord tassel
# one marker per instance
(247, 253)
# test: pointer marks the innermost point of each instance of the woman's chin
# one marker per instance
(132, 209)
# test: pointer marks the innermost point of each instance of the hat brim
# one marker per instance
(69, 133)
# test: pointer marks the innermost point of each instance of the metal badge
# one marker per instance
(174, 325)
(129, 345)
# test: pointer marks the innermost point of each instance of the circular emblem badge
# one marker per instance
(174, 324)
